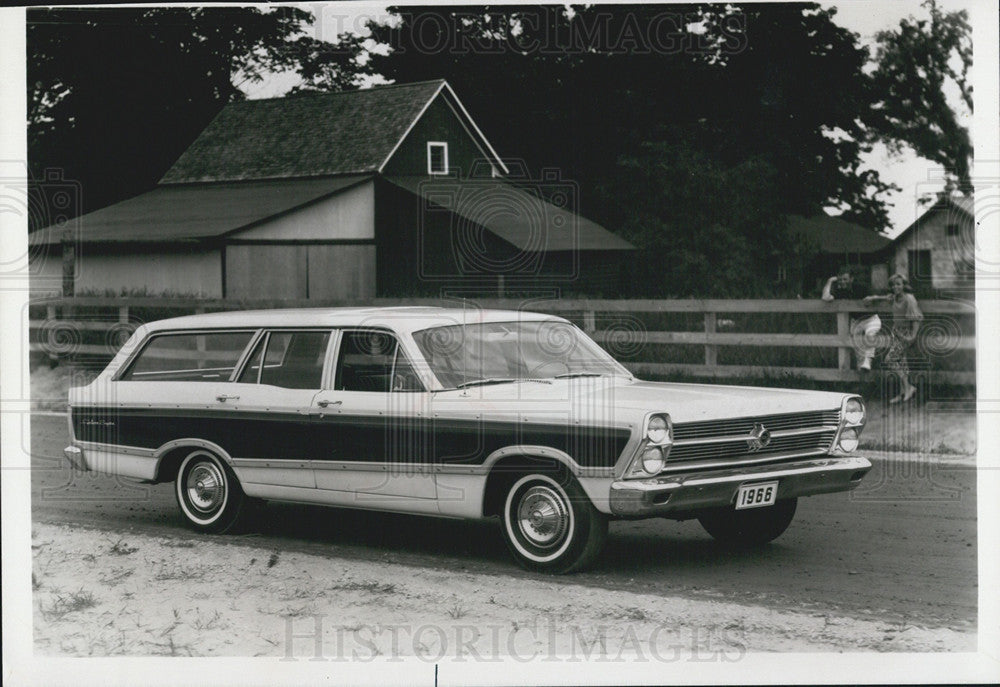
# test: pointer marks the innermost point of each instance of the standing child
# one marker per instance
(906, 318)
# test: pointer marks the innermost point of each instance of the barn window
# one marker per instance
(952, 230)
(437, 157)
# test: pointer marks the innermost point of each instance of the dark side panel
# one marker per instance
(294, 436)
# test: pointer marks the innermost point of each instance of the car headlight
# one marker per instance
(854, 411)
(652, 460)
(849, 439)
(658, 429)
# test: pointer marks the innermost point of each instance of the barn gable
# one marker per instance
(330, 134)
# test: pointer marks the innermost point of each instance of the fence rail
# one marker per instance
(61, 332)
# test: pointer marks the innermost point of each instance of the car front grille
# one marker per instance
(743, 425)
(739, 447)
(730, 441)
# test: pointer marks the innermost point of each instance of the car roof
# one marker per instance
(397, 318)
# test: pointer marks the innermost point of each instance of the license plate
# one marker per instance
(757, 495)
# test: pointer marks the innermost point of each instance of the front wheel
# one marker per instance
(750, 527)
(208, 493)
(551, 526)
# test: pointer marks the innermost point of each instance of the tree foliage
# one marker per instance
(917, 64)
(728, 117)
(116, 95)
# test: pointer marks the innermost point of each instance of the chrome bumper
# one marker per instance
(674, 494)
(75, 457)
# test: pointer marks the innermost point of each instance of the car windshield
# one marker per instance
(497, 352)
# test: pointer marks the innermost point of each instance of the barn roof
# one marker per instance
(316, 134)
(834, 235)
(197, 212)
(961, 205)
(518, 217)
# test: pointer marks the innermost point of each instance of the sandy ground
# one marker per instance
(99, 594)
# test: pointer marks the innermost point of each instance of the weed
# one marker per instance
(65, 604)
(273, 560)
(180, 573)
(120, 548)
(370, 587)
(457, 611)
(116, 577)
(179, 544)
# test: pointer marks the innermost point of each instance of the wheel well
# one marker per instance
(507, 470)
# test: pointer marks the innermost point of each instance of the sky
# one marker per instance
(914, 175)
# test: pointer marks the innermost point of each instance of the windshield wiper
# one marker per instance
(568, 375)
(500, 380)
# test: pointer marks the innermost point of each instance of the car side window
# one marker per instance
(292, 360)
(373, 361)
(194, 357)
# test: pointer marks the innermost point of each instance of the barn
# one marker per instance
(385, 191)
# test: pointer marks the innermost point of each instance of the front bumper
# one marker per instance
(76, 458)
(676, 494)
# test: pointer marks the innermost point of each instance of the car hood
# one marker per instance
(630, 399)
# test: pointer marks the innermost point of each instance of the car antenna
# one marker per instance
(465, 353)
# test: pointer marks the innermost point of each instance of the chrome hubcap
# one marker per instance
(206, 487)
(543, 516)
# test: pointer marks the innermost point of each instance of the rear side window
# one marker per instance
(204, 357)
(293, 360)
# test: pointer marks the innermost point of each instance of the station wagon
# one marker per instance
(458, 413)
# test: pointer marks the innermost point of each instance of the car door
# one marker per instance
(274, 398)
(377, 442)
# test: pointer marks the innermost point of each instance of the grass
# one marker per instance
(369, 587)
(63, 605)
(457, 612)
(120, 548)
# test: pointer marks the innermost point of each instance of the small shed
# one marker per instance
(938, 251)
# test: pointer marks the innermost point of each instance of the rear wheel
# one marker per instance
(750, 527)
(208, 493)
(550, 525)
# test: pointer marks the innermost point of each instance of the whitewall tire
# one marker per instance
(208, 493)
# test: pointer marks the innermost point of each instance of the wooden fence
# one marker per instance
(69, 320)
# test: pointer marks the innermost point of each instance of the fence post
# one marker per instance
(844, 333)
(711, 350)
(589, 322)
(123, 313)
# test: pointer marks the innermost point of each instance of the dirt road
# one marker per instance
(901, 549)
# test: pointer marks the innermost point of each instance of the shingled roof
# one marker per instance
(305, 136)
(171, 214)
(834, 235)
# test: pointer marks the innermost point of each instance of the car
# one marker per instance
(453, 412)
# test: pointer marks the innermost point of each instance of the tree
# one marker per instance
(646, 96)
(916, 65)
(116, 95)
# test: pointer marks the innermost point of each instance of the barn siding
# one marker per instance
(268, 271)
(347, 215)
(342, 271)
(439, 123)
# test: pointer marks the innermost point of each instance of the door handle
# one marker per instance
(222, 398)
(324, 403)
